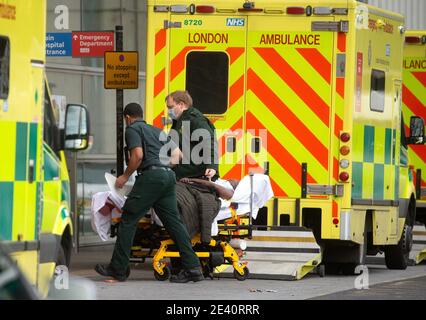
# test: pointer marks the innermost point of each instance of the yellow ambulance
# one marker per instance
(311, 92)
(35, 217)
(414, 103)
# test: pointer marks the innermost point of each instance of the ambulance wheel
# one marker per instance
(397, 256)
(61, 258)
(321, 270)
(64, 252)
(242, 277)
(128, 272)
(164, 276)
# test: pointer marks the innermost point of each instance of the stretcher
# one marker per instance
(232, 225)
(152, 241)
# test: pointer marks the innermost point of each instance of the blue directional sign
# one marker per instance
(58, 44)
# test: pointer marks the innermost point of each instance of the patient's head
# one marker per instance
(234, 183)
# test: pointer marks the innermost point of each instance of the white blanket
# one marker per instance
(262, 192)
(104, 208)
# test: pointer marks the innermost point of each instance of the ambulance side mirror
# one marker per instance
(77, 133)
(417, 131)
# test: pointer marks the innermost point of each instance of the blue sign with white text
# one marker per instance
(58, 44)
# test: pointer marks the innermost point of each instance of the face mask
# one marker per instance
(172, 114)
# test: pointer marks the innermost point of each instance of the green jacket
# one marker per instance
(181, 132)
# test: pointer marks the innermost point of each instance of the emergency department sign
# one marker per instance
(121, 70)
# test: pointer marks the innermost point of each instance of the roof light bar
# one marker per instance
(179, 9)
(340, 11)
(322, 11)
(161, 8)
(205, 9)
(295, 10)
(226, 10)
(274, 10)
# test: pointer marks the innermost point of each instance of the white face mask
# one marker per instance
(172, 114)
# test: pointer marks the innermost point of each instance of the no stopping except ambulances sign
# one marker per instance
(121, 70)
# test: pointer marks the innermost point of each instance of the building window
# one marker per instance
(207, 80)
(377, 93)
(4, 67)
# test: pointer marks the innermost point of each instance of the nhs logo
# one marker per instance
(235, 22)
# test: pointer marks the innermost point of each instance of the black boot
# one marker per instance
(108, 271)
(184, 276)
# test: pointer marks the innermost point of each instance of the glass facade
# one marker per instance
(81, 80)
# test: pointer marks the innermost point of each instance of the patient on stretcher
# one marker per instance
(223, 194)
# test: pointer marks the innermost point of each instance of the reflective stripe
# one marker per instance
(177, 64)
(6, 210)
(21, 151)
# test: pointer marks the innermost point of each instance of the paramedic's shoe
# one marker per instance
(184, 276)
(107, 271)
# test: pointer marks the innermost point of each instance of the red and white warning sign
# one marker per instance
(92, 44)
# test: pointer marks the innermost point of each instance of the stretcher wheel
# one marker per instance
(242, 277)
(164, 276)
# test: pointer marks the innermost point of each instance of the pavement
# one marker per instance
(410, 289)
(376, 283)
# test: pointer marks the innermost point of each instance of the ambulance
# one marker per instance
(35, 218)
(310, 92)
(414, 103)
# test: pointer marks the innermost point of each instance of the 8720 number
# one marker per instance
(191, 22)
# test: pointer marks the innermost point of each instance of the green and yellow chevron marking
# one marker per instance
(374, 171)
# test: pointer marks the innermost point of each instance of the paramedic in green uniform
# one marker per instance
(186, 120)
(154, 188)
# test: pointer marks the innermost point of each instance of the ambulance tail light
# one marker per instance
(335, 221)
(345, 137)
(344, 151)
(295, 10)
(205, 9)
(344, 176)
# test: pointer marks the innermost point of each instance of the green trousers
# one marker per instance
(153, 189)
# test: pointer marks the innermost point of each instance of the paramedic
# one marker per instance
(187, 119)
(154, 187)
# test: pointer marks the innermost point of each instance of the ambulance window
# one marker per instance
(50, 131)
(4, 67)
(377, 94)
(207, 80)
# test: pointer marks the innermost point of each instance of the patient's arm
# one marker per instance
(176, 156)
(222, 192)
